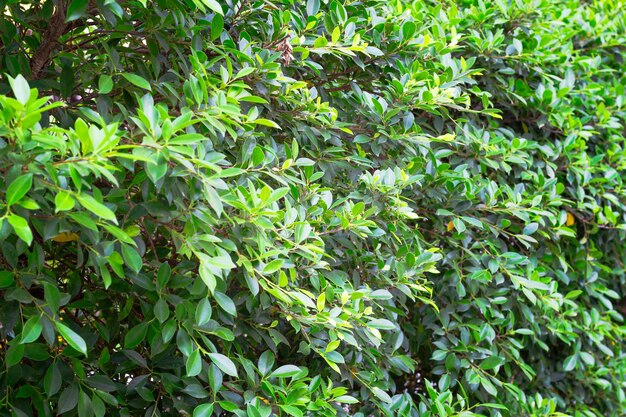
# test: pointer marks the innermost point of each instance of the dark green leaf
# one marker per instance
(76, 9)
(136, 335)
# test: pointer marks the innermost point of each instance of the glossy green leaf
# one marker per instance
(285, 371)
(132, 258)
(96, 207)
(203, 312)
(72, 338)
(194, 363)
(137, 80)
(105, 84)
(64, 201)
(203, 410)
(273, 266)
(32, 330)
(21, 89)
(18, 188)
(225, 303)
(21, 228)
(225, 364)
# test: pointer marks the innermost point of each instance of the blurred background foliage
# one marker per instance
(322, 208)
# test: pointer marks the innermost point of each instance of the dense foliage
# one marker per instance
(275, 208)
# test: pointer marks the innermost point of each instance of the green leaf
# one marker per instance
(14, 355)
(408, 30)
(7, 278)
(226, 303)
(346, 399)
(137, 80)
(72, 338)
(570, 363)
(488, 386)
(20, 88)
(32, 330)
(273, 266)
(215, 200)
(168, 330)
(68, 399)
(76, 10)
(52, 380)
(494, 405)
(587, 358)
(156, 167)
(132, 258)
(312, 7)
(459, 225)
(67, 80)
(136, 335)
(225, 364)
(161, 310)
(84, 220)
(105, 84)
(224, 334)
(163, 275)
(203, 410)
(217, 26)
(99, 409)
(85, 407)
(266, 362)
(382, 395)
(18, 188)
(572, 295)
(194, 363)
(215, 378)
(221, 261)
(21, 228)
(208, 278)
(491, 362)
(341, 12)
(383, 324)
(291, 410)
(96, 207)
(203, 312)
(63, 201)
(266, 122)
(286, 371)
(213, 5)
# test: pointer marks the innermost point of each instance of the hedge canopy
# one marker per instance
(322, 208)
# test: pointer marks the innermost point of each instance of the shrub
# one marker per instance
(312, 209)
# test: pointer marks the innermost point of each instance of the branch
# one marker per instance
(50, 41)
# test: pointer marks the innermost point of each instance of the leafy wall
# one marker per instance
(376, 208)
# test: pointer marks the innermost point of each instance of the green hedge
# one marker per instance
(322, 208)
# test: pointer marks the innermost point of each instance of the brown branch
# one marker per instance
(331, 231)
(49, 42)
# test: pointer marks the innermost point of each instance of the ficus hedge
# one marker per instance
(322, 208)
